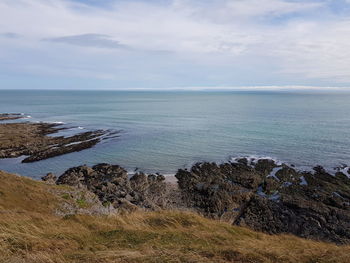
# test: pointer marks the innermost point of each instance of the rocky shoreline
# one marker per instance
(260, 194)
(42, 222)
(271, 197)
(11, 116)
(36, 141)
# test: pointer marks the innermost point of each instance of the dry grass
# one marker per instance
(29, 232)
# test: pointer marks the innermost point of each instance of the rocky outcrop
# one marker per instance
(260, 194)
(64, 145)
(32, 141)
(113, 186)
(49, 178)
(11, 116)
(271, 197)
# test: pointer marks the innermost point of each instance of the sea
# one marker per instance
(163, 131)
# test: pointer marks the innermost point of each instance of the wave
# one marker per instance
(342, 169)
(253, 159)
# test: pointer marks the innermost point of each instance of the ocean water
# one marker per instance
(165, 131)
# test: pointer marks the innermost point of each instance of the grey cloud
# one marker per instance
(9, 35)
(88, 40)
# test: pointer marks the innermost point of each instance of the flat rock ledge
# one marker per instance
(32, 140)
(260, 194)
(11, 116)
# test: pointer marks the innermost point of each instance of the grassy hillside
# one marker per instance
(31, 232)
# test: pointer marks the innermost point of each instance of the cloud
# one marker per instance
(179, 42)
(9, 35)
(269, 7)
(235, 10)
(88, 40)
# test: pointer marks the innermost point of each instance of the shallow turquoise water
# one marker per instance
(164, 131)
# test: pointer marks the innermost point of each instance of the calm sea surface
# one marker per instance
(164, 131)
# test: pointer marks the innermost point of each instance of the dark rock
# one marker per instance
(64, 145)
(32, 140)
(260, 194)
(49, 178)
(214, 190)
(11, 116)
(265, 166)
(111, 184)
(270, 197)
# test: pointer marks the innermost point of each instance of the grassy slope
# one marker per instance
(29, 232)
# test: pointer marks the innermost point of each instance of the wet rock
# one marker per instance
(32, 140)
(63, 145)
(11, 116)
(52, 152)
(265, 166)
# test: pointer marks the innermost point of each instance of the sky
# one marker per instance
(174, 44)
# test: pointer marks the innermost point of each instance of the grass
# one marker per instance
(30, 232)
(81, 201)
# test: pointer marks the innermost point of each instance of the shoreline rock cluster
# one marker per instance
(114, 187)
(11, 116)
(260, 194)
(32, 140)
(270, 197)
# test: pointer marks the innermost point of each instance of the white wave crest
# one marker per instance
(253, 159)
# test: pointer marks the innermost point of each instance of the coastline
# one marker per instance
(42, 222)
(163, 141)
(40, 141)
(259, 193)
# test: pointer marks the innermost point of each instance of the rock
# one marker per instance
(11, 116)
(63, 149)
(50, 178)
(32, 140)
(77, 176)
(265, 166)
(270, 197)
(126, 206)
(80, 201)
(214, 190)
(260, 194)
(139, 182)
(112, 185)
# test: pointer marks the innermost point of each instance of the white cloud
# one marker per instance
(217, 36)
(233, 10)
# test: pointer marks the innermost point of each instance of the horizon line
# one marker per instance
(205, 88)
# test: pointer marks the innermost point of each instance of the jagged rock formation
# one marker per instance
(50, 178)
(261, 194)
(271, 197)
(112, 185)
